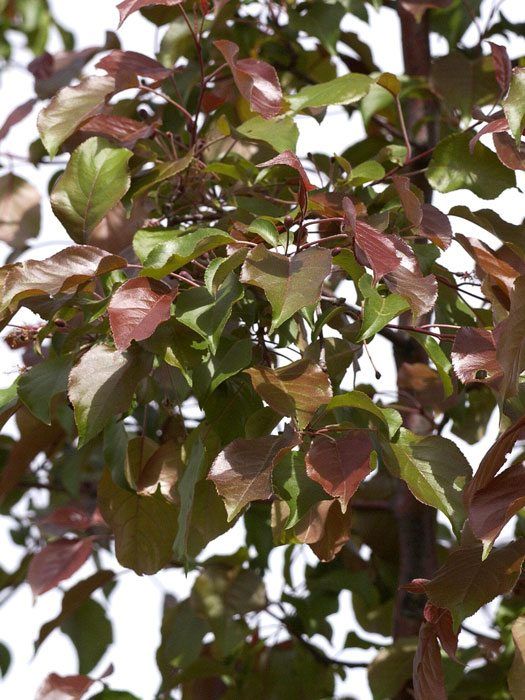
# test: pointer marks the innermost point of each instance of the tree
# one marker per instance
(195, 359)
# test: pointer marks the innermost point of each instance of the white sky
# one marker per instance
(136, 603)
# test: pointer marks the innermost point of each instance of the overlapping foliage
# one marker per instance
(196, 352)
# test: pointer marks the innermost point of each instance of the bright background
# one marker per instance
(135, 607)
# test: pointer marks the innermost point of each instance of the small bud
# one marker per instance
(288, 221)
(60, 323)
(336, 251)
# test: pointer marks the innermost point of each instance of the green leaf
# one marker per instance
(391, 668)
(438, 357)
(145, 527)
(378, 310)
(207, 314)
(219, 269)
(267, 230)
(178, 250)
(5, 659)
(344, 90)
(366, 172)
(94, 181)
(360, 401)
(290, 283)
(91, 633)
(514, 104)
(70, 107)
(102, 385)
(164, 171)
(454, 167)
(281, 133)
(41, 383)
(323, 21)
(231, 358)
(435, 470)
(294, 486)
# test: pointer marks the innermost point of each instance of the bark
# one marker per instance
(416, 522)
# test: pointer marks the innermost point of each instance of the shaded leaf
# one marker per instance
(128, 7)
(290, 283)
(19, 211)
(502, 66)
(102, 385)
(16, 116)
(516, 677)
(90, 632)
(474, 355)
(510, 340)
(144, 526)
(429, 681)
(325, 528)
(514, 103)
(56, 562)
(39, 384)
(122, 131)
(296, 390)
(242, 472)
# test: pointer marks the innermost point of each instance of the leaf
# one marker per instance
(144, 526)
(384, 419)
(182, 632)
(378, 310)
(347, 89)
(474, 355)
(378, 249)
(91, 633)
(516, 677)
(128, 7)
(326, 528)
(219, 269)
(295, 488)
(39, 384)
(510, 340)
(94, 181)
(175, 250)
(242, 472)
(291, 161)
(122, 131)
(123, 65)
(5, 660)
(290, 283)
(231, 358)
(465, 582)
(62, 272)
(407, 281)
(296, 390)
(142, 185)
(513, 104)
(434, 470)
(70, 107)
(19, 211)
(453, 167)
(429, 681)
(115, 232)
(391, 668)
(340, 464)
(281, 133)
(435, 226)
(56, 562)
(509, 154)
(57, 687)
(257, 81)
(502, 66)
(137, 308)
(16, 116)
(102, 385)
(493, 506)
(207, 314)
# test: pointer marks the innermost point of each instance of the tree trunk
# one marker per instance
(416, 522)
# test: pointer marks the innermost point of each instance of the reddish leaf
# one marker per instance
(325, 528)
(493, 127)
(419, 7)
(340, 464)
(292, 161)
(66, 519)
(137, 308)
(409, 200)
(495, 458)
(493, 506)
(502, 66)
(57, 561)
(125, 66)
(242, 472)
(378, 249)
(407, 280)
(19, 211)
(257, 81)
(474, 355)
(435, 226)
(500, 274)
(121, 130)
(128, 7)
(429, 681)
(57, 687)
(16, 116)
(509, 154)
(441, 619)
